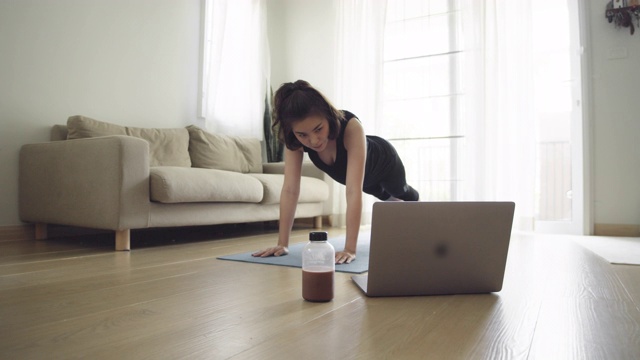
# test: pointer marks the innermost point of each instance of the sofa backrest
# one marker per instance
(58, 133)
(167, 147)
(184, 147)
(222, 152)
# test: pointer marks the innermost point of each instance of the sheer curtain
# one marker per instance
(497, 159)
(359, 51)
(236, 66)
(500, 161)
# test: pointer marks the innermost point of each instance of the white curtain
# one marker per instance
(236, 67)
(500, 161)
(360, 49)
(499, 157)
(360, 38)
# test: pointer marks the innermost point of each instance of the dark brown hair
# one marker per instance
(297, 101)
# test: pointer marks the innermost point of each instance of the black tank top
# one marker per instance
(381, 157)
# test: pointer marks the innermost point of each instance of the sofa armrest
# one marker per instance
(308, 169)
(100, 183)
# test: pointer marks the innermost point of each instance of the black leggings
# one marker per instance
(394, 184)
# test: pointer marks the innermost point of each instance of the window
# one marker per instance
(482, 99)
(423, 93)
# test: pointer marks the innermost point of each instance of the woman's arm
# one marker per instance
(288, 202)
(356, 146)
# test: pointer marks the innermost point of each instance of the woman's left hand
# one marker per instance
(344, 257)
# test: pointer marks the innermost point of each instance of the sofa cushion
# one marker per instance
(167, 147)
(80, 127)
(58, 133)
(213, 151)
(170, 184)
(311, 189)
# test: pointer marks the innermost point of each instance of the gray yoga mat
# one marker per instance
(294, 258)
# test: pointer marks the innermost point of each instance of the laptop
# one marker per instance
(437, 248)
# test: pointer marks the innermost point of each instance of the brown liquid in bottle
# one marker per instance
(317, 286)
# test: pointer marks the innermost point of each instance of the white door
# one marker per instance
(562, 181)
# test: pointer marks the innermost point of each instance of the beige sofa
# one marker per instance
(105, 176)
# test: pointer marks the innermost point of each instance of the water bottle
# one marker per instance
(318, 267)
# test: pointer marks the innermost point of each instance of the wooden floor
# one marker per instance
(170, 298)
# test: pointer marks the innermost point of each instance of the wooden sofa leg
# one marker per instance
(41, 231)
(123, 240)
(317, 222)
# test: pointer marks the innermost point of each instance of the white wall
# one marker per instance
(132, 62)
(302, 42)
(615, 120)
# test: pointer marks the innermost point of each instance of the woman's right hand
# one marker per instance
(272, 251)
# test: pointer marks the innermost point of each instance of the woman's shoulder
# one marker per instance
(347, 124)
(353, 132)
(348, 115)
